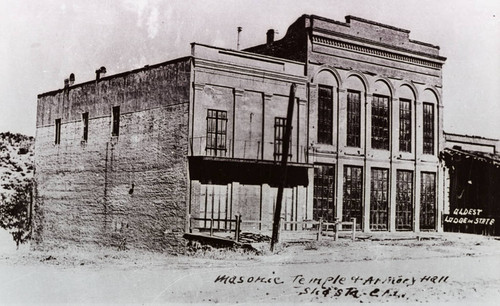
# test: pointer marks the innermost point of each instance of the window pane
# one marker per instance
(216, 132)
(279, 134)
(352, 200)
(379, 203)
(353, 119)
(325, 114)
(116, 121)
(380, 122)
(404, 200)
(323, 204)
(428, 129)
(428, 201)
(405, 125)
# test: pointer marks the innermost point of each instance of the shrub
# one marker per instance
(14, 213)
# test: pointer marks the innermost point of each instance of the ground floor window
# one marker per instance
(404, 200)
(214, 205)
(353, 194)
(324, 186)
(428, 201)
(379, 203)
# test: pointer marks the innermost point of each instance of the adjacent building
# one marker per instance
(472, 180)
(127, 159)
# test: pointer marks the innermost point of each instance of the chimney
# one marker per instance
(270, 37)
(66, 83)
(71, 79)
(101, 72)
(238, 41)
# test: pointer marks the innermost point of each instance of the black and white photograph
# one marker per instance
(249, 152)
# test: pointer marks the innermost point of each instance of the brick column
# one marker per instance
(342, 121)
(267, 99)
(339, 181)
(366, 196)
(301, 131)
(416, 196)
(418, 160)
(392, 197)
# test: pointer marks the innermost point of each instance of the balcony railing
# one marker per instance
(244, 149)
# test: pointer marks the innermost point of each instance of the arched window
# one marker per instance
(406, 98)
(327, 82)
(428, 122)
(380, 115)
(355, 89)
(325, 114)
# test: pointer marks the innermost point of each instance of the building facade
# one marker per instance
(129, 158)
(375, 121)
(472, 178)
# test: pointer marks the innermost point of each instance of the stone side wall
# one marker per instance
(128, 190)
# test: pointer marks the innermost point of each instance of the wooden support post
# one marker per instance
(284, 159)
(211, 226)
(353, 229)
(320, 228)
(280, 229)
(337, 228)
(190, 226)
(237, 228)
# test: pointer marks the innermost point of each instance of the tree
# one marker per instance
(15, 213)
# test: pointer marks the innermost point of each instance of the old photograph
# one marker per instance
(256, 152)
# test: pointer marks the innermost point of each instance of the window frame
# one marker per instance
(428, 207)
(379, 199)
(324, 192)
(405, 203)
(216, 143)
(115, 122)
(380, 122)
(428, 128)
(405, 126)
(279, 134)
(57, 131)
(325, 115)
(353, 120)
(352, 200)
(85, 126)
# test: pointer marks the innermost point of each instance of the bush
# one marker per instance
(14, 213)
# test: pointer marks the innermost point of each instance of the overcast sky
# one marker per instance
(43, 41)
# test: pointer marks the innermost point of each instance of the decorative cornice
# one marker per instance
(376, 52)
(249, 71)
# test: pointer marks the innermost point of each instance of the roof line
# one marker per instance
(109, 77)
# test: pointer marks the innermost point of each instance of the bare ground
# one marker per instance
(455, 268)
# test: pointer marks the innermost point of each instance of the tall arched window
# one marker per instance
(327, 82)
(406, 99)
(428, 122)
(325, 114)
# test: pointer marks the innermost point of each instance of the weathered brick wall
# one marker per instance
(110, 190)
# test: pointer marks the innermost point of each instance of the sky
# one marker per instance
(43, 41)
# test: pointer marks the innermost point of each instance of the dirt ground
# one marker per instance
(436, 268)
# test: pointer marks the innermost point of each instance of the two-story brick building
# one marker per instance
(129, 157)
